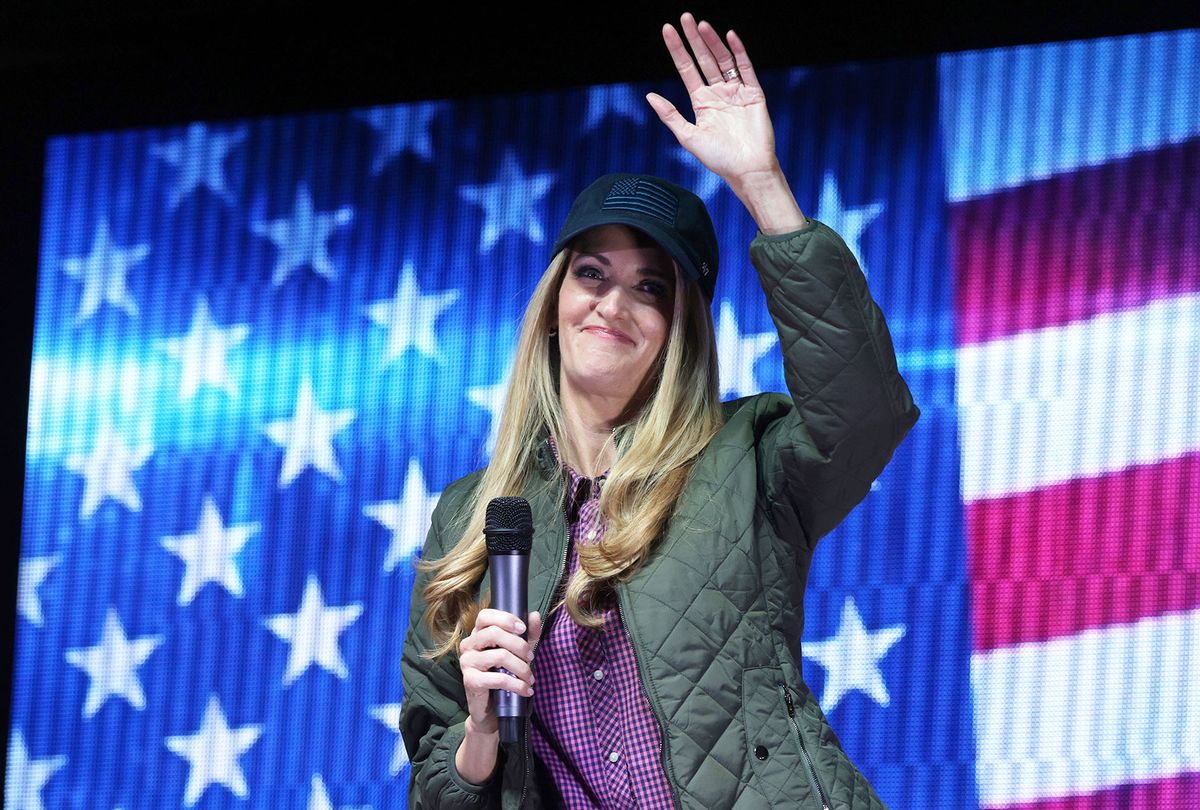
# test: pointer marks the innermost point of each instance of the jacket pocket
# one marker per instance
(781, 769)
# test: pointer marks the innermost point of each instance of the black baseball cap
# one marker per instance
(668, 213)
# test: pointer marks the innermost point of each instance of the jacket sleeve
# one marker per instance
(434, 712)
(852, 407)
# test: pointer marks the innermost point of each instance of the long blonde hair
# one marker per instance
(655, 453)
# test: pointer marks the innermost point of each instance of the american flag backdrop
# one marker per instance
(1073, 186)
(263, 347)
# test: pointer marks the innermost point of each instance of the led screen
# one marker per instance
(263, 347)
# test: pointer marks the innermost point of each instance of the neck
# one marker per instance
(589, 423)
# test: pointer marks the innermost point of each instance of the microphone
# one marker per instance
(508, 531)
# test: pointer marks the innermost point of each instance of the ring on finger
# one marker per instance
(733, 74)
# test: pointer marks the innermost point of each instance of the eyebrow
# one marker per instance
(645, 271)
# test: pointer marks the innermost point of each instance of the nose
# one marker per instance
(613, 303)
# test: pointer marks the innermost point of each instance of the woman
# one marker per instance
(673, 534)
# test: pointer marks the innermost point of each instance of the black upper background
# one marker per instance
(74, 67)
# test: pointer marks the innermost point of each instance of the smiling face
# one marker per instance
(614, 313)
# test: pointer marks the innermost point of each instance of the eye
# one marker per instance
(589, 271)
(656, 288)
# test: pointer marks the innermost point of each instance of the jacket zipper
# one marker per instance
(814, 782)
(562, 570)
(637, 658)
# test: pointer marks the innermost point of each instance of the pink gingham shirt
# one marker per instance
(592, 728)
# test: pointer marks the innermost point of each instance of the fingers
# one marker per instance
(489, 617)
(712, 41)
(710, 58)
(535, 628)
(482, 653)
(517, 675)
(478, 682)
(669, 115)
(749, 78)
(495, 628)
(704, 57)
(493, 637)
(495, 656)
(692, 80)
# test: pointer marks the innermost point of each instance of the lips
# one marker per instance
(612, 334)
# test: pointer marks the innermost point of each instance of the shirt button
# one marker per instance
(613, 757)
(591, 535)
(598, 674)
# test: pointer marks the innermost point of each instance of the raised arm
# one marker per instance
(852, 407)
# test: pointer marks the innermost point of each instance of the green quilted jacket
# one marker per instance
(716, 613)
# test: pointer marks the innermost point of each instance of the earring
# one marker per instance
(553, 333)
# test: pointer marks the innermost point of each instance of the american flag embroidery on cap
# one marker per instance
(644, 197)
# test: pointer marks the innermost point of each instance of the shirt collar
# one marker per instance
(574, 476)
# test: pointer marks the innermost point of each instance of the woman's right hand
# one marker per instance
(496, 642)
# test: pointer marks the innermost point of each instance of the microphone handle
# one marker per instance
(510, 593)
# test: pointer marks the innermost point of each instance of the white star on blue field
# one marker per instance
(738, 353)
(510, 202)
(848, 221)
(103, 272)
(851, 658)
(112, 665)
(406, 519)
(409, 316)
(26, 776)
(33, 573)
(402, 128)
(209, 553)
(301, 238)
(199, 158)
(307, 438)
(108, 471)
(312, 633)
(203, 352)
(212, 753)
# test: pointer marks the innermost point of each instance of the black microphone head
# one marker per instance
(508, 526)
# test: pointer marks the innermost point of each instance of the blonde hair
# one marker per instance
(655, 453)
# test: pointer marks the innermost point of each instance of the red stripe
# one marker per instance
(1175, 793)
(1087, 553)
(1079, 244)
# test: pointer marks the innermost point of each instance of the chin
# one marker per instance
(609, 382)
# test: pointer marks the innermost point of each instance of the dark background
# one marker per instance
(67, 67)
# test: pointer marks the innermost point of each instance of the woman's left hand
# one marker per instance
(732, 136)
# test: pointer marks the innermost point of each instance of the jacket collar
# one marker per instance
(545, 461)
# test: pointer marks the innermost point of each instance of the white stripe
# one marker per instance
(1090, 397)
(1075, 715)
(1012, 115)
